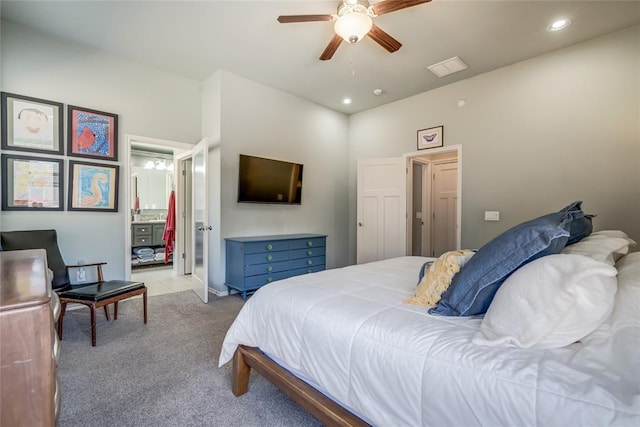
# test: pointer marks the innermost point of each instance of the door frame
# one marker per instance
(178, 148)
(410, 159)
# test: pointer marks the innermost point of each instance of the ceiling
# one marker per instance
(196, 38)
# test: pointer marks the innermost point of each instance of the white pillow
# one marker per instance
(627, 306)
(606, 246)
(549, 303)
(615, 233)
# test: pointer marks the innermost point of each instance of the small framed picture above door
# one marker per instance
(431, 137)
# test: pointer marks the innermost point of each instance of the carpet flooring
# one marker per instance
(164, 373)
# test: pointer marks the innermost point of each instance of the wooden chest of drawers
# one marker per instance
(252, 262)
(29, 351)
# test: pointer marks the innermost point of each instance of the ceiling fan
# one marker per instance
(354, 20)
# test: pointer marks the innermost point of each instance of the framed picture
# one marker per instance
(92, 133)
(32, 183)
(31, 124)
(93, 187)
(431, 137)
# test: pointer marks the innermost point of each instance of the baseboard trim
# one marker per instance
(218, 293)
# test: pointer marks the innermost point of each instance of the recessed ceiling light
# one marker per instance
(559, 24)
(346, 101)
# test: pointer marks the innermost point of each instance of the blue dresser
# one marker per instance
(252, 262)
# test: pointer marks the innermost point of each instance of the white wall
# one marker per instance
(537, 135)
(262, 121)
(149, 102)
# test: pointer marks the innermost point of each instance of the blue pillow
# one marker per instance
(579, 227)
(474, 286)
(421, 272)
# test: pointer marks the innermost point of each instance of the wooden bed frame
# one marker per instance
(326, 410)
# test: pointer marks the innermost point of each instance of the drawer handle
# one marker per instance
(309, 271)
(309, 243)
(309, 262)
(269, 269)
(269, 257)
(309, 252)
(269, 279)
(269, 246)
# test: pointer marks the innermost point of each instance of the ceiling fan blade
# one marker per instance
(331, 48)
(384, 39)
(392, 5)
(287, 19)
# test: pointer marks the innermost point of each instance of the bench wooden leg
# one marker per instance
(144, 305)
(106, 311)
(92, 307)
(115, 310)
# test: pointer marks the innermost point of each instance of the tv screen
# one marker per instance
(263, 180)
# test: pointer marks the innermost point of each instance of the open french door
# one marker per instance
(198, 227)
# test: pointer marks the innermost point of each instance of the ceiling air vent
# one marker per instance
(448, 66)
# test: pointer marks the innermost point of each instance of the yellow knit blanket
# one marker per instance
(437, 277)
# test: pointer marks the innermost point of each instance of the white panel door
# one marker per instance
(445, 203)
(381, 206)
(200, 215)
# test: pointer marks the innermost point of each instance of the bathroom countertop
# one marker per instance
(151, 221)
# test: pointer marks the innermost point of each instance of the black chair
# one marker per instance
(47, 240)
(93, 295)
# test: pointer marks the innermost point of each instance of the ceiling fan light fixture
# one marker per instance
(353, 26)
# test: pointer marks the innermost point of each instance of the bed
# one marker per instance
(344, 343)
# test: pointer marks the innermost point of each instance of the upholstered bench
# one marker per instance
(101, 295)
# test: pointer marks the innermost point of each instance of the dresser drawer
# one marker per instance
(255, 282)
(262, 258)
(142, 230)
(306, 270)
(308, 243)
(267, 246)
(306, 253)
(306, 262)
(272, 267)
(142, 240)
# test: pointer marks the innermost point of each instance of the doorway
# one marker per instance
(146, 196)
(385, 204)
(433, 204)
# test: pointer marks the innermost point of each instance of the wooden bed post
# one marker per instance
(240, 374)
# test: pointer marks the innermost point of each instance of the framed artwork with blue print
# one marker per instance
(93, 187)
(92, 133)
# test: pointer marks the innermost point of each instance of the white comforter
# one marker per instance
(348, 332)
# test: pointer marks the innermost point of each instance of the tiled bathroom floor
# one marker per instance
(161, 280)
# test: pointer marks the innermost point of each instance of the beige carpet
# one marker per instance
(164, 373)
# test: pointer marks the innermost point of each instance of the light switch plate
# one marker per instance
(491, 215)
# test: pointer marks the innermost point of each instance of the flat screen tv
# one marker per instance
(263, 180)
